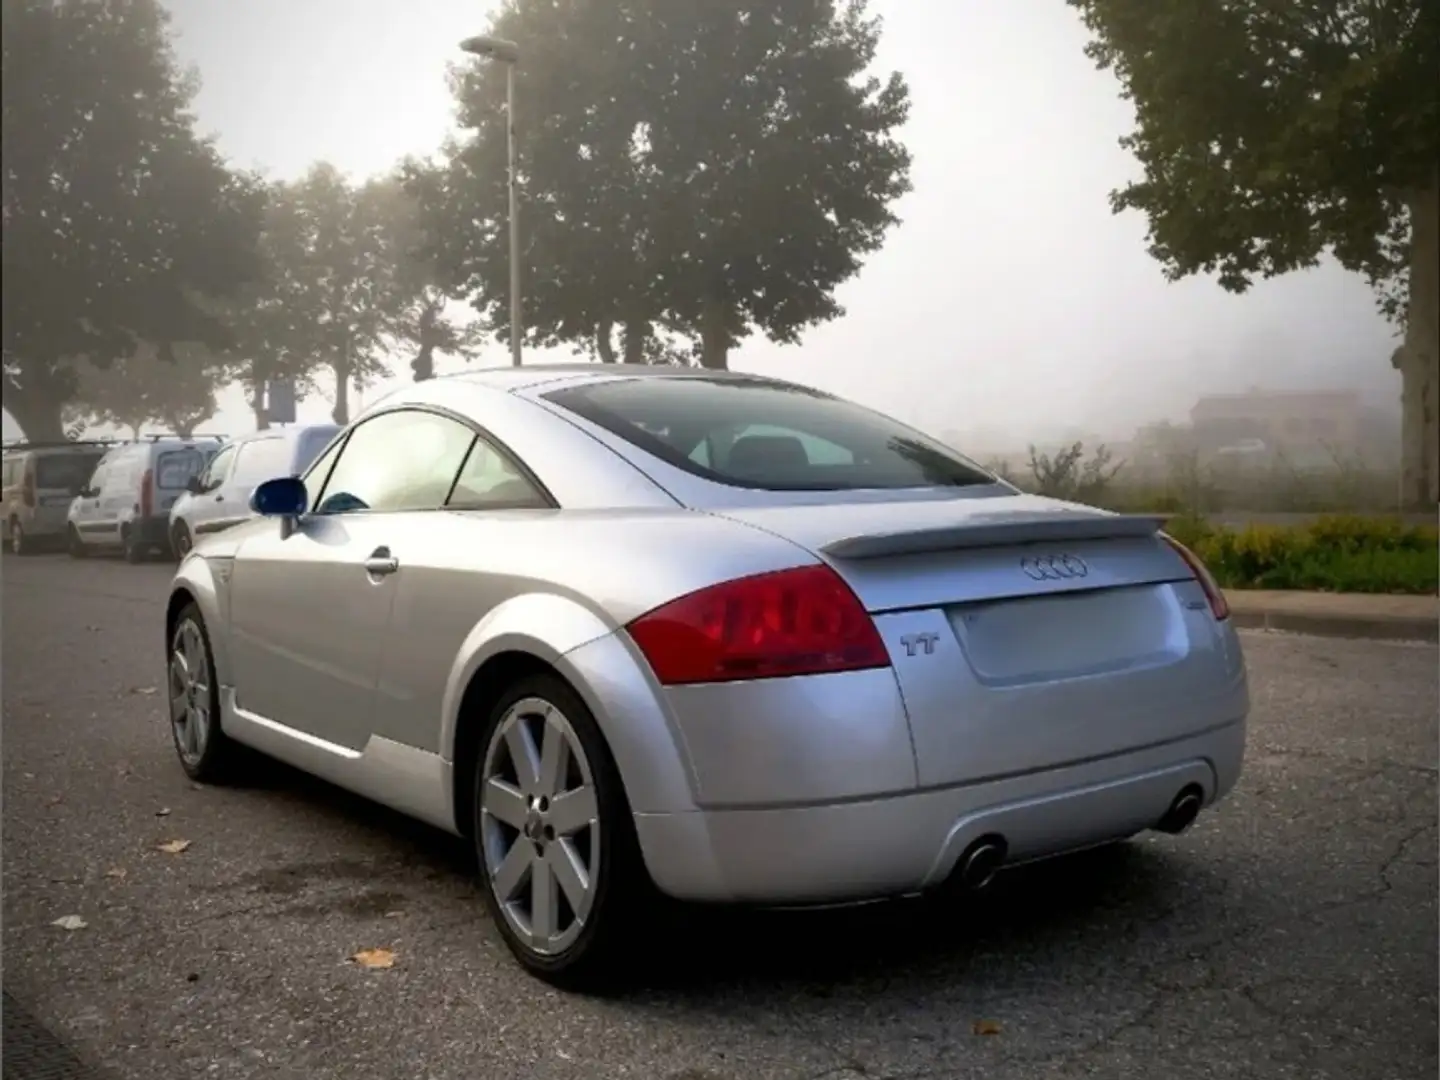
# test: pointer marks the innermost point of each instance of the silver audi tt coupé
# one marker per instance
(650, 631)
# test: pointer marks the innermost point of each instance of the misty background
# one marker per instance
(1010, 305)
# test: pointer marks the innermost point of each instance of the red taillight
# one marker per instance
(28, 492)
(1218, 604)
(147, 497)
(804, 621)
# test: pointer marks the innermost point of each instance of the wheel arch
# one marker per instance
(528, 635)
(194, 583)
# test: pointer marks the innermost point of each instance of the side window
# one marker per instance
(7, 477)
(314, 477)
(489, 480)
(97, 478)
(218, 469)
(404, 460)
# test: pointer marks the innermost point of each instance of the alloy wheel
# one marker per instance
(189, 693)
(539, 826)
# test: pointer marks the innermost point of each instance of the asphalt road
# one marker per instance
(1292, 933)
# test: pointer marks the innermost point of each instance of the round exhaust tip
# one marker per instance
(981, 862)
(1183, 811)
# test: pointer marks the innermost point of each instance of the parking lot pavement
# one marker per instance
(1292, 933)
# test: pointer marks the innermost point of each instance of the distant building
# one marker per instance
(1279, 418)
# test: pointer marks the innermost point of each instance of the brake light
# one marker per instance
(804, 621)
(1219, 606)
(147, 497)
(27, 493)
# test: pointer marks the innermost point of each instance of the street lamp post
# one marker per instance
(507, 53)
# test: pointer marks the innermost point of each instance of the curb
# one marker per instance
(1378, 627)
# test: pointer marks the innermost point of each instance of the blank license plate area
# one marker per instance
(1040, 638)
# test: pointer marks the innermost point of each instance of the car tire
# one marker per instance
(19, 543)
(616, 893)
(74, 545)
(180, 542)
(133, 549)
(206, 753)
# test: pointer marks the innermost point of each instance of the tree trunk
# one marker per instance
(35, 411)
(341, 413)
(636, 331)
(423, 365)
(1419, 357)
(714, 336)
(257, 399)
(604, 346)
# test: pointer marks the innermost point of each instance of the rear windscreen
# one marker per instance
(175, 468)
(64, 472)
(767, 435)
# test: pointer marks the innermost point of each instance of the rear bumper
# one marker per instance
(868, 848)
(45, 521)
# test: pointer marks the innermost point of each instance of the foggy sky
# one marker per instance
(1010, 302)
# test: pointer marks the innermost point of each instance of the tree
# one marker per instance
(118, 219)
(418, 302)
(1270, 133)
(142, 389)
(344, 280)
(718, 169)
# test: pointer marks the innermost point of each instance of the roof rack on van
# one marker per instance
(52, 444)
(156, 436)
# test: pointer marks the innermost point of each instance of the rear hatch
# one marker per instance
(1025, 633)
(60, 474)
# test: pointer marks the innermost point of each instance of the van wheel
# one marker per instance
(134, 550)
(75, 545)
(18, 544)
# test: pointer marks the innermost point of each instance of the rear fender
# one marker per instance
(604, 670)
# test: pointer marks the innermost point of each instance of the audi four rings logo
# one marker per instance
(1054, 567)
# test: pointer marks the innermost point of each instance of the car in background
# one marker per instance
(125, 505)
(219, 497)
(38, 480)
(643, 630)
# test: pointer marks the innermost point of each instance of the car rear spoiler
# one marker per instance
(1055, 528)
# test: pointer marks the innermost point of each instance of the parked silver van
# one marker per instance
(126, 504)
(219, 497)
(38, 480)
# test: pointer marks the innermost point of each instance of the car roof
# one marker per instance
(521, 378)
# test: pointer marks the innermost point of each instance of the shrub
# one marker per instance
(1333, 554)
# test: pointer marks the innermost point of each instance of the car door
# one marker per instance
(204, 509)
(119, 495)
(85, 509)
(310, 605)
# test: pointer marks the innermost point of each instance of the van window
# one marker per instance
(175, 468)
(63, 472)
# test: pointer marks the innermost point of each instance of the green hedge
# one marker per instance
(1333, 554)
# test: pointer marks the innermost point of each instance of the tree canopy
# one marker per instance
(141, 389)
(702, 171)
(1270, 133)
(119, 221)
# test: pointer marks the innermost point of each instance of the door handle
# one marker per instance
(381, 562)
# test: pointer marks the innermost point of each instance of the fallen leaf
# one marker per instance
(29, 776)
(116, 873)
(70, 922)
(55, 800)
(374, 959)
(173, 847)
(93, 629)
(164, 811)
(146, 690)
(394, 914)
(987, 1027)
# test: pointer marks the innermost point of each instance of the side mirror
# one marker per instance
(284, 497)
(193, 485)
